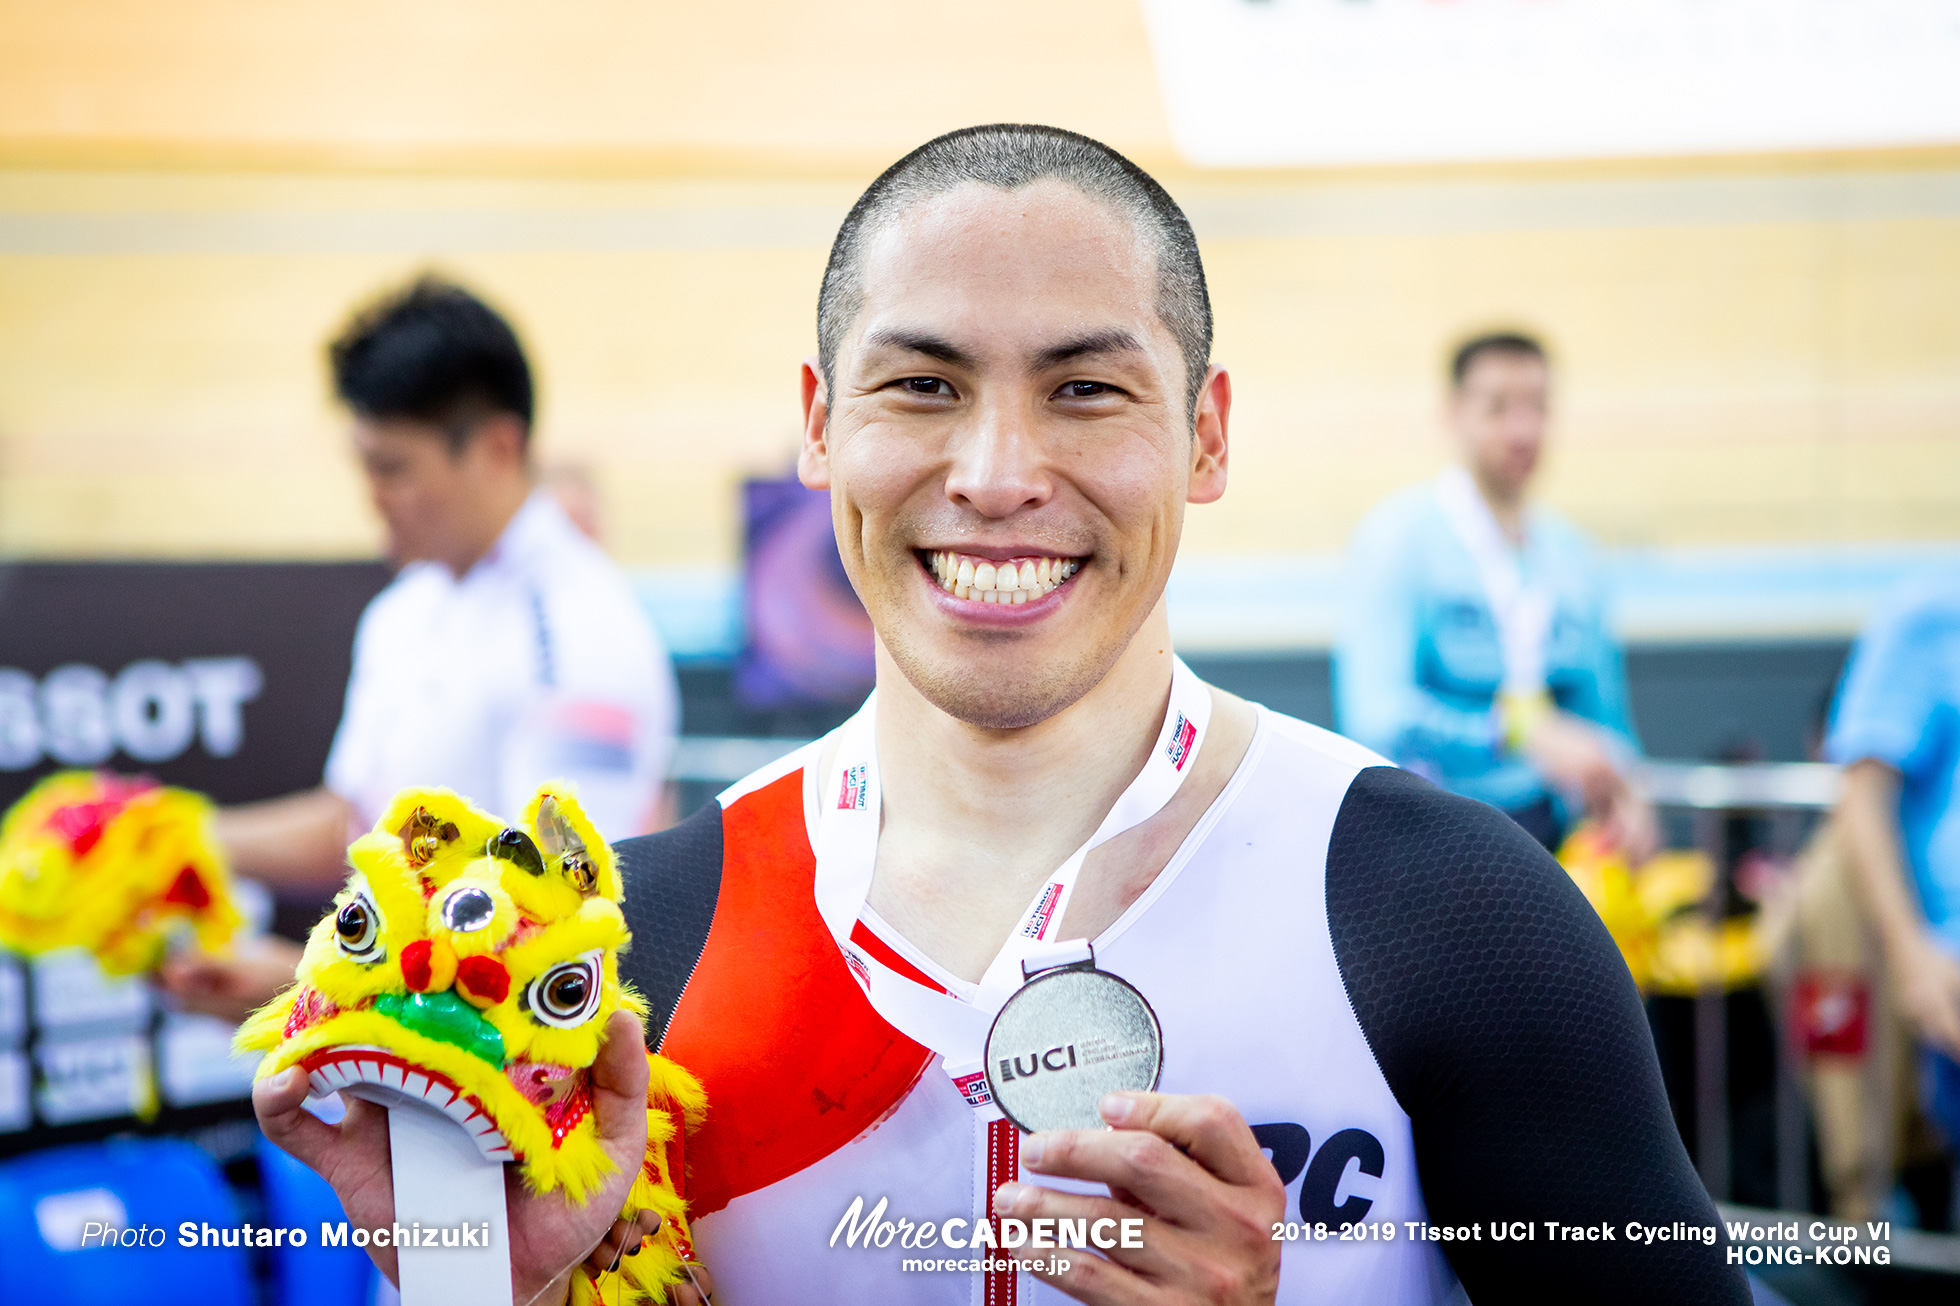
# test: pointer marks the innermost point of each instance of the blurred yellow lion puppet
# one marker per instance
(112, 864)
(472, 964)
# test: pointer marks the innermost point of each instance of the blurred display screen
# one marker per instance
(808, 638)
(1252, 83)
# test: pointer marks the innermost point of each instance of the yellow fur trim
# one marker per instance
(645, 1274)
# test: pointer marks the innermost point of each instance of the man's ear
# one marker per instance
(1209, 445)
(501, 437)
(813, 458)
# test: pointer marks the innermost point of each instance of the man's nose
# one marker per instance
(999, 465)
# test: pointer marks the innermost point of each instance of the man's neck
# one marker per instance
(497, 513)
(1505, 501)
(975, 818)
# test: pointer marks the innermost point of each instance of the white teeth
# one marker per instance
(979, 580)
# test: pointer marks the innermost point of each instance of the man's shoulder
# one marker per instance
(673, 878)
(793, 763)
(577, 576)
(1438, 904)
(1291, 738)
(401, 605)
(746, 988)
(1392, 818)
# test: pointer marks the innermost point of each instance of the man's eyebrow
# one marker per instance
(1112, 341)
(918, 342)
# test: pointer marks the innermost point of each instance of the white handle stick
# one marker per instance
(444, 1183)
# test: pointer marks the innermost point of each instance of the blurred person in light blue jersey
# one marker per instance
(1896, 729)
(1475, 648)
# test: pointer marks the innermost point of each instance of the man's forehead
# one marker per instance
(1037, 264)
(1507, 367)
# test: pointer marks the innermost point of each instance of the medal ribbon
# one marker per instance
(1522, 610)
(847, 851)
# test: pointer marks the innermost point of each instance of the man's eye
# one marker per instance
(926, 385)
(1085, 390)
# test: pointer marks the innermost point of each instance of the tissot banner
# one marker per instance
(226, 678)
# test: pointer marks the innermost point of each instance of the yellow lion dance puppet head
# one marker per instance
(112, 864)
(473, 965)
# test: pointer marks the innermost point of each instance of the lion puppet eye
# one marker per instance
(357, 928)
(567, 995)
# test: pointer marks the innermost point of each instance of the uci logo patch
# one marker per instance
(1037, 924)
(974, 1089)
(852, 796)
(1183, 735)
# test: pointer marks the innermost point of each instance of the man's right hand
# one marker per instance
(231, 988)
(549, 1235)
(1928, 980)
(1574, 757)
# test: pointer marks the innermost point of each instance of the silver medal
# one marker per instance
(1065, 1038)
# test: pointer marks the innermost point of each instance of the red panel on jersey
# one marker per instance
(888, 956)
(795, 1061)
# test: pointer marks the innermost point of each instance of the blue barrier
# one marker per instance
(98, 1222)
(313, 1275)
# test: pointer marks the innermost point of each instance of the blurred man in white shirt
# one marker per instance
(507, 652)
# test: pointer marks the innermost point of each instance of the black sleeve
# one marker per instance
(672, 881)
(1508, 1028)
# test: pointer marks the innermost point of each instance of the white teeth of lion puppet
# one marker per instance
(472, 964)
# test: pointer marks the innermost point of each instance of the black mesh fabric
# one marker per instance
(672, 880)
(1508, 1028)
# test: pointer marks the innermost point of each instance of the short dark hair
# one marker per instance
(432, 352)
(1009, 156)
(1491, 342)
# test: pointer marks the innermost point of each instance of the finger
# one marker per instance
(1136, 1161)
(1206, 1128)
(278, 1101)
(696, 1288)
(639, 1231)
(1156, 1257)
(619, 1089)
(604, 1256)
(1089, 1278)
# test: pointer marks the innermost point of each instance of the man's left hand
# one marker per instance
(1192, 1169)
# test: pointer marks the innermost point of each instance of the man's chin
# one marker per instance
(1000, 693)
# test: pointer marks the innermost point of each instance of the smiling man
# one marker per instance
(1380, 1005)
